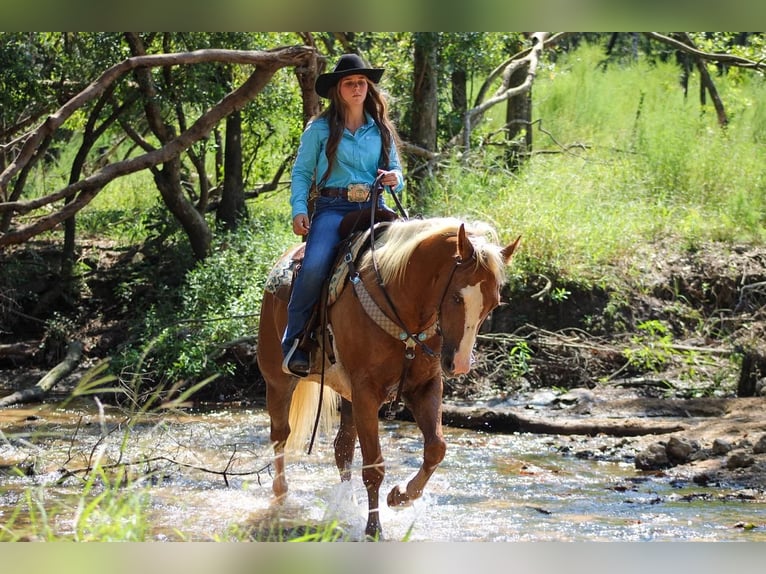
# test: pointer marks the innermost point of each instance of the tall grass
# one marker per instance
(652, 166)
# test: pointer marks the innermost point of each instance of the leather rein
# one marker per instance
(395, 326)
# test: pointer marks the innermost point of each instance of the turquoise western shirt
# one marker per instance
(355, 162)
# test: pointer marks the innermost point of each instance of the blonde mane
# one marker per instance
(394, 247)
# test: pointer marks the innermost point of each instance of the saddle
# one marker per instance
(355, 236)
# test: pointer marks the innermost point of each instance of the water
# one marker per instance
(207, 478)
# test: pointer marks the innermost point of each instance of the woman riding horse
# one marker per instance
(347, 148)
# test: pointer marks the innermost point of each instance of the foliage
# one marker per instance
(218, 302)
(630, 178)
(653, 349)
(519, 359)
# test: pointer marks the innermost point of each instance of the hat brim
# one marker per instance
(326, 81)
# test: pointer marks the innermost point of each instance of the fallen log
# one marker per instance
(508, 421)
(36, 393)
(23, 351)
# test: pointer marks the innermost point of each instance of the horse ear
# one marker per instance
(509, 249)
(465, 248)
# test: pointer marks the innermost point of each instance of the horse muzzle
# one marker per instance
(454, 364)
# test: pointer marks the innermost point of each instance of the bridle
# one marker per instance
(395, 326)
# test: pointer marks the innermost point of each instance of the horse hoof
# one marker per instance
(373, 532)
(398, 497)
(279, 488)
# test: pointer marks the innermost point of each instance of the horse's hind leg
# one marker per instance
(426, 409)
(345, 441)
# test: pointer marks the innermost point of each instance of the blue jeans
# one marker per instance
(321, 250)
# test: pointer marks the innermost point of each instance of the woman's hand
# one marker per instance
(388, 178)
(301, 224)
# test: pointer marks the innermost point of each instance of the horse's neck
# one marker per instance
(425, 281)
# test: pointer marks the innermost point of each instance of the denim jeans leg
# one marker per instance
(321, 247)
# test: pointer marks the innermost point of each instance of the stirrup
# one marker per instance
(286, 362)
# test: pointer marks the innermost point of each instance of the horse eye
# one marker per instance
(458, 298)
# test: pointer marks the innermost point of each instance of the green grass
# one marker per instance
(669, 172)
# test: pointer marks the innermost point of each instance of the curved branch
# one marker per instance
(717, 57)
(268, 63)
(275, 59)
(531, 58)
(36, 393)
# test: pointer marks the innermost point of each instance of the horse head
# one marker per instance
(472, 292)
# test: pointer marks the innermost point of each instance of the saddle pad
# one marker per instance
(280, 279)
(340, 271)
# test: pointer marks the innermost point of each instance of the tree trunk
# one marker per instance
(306, 76)
(424, 101)
(232, 207)
(459, 81)
(36, 393)
(508, 420)
(518, 117)
(89, 137)
(752, 375)
(168, 179)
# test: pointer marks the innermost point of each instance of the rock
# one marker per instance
(739, 459)
(721, 446)
(760, 446)
(680, 451)
(577, 396)
(653, 457)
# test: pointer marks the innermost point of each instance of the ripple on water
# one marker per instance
(490, 487)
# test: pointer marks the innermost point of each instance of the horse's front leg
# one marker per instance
(345, 441)
(278, 397)
(365, 411)
(425, 405)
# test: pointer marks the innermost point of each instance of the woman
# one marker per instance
(344, 150)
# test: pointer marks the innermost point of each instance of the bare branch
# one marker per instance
(732, 59)
(272, 59)
(267, 64)
(531, 59)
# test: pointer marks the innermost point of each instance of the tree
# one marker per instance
(425, 99)
(172, 144)
(232, 207)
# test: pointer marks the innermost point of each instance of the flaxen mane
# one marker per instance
(394, 247)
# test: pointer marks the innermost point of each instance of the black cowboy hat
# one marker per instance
(348, 65)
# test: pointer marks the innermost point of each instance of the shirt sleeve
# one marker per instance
(304, 169)
(395, 165)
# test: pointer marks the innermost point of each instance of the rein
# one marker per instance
(374, 191)
(395, 328)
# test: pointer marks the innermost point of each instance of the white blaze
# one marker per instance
(473, 302)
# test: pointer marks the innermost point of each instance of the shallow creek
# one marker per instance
(207, 475)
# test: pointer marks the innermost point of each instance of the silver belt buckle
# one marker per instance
(358, 192)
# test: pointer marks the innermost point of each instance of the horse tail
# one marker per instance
(303, 413)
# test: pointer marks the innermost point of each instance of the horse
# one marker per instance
(408, 313)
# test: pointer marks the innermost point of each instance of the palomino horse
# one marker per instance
(417, 302)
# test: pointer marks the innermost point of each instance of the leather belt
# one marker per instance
(333, 192)
(357, 192)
